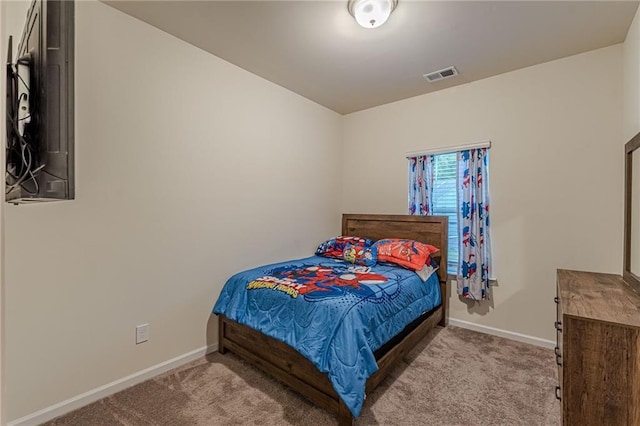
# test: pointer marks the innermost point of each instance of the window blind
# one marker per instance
(445, 201)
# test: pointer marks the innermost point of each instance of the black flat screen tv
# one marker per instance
(40, 106)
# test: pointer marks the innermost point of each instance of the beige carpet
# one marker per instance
(454, 377)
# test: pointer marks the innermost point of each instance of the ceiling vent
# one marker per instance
(439, 75)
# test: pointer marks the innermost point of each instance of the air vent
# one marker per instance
(439, 75)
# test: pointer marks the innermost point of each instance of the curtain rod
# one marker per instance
(483, 144)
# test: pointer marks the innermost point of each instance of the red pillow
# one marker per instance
(408, 253)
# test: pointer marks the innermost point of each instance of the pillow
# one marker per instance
(430, 266)
(364, 256)
(335, 246)
(407, 253)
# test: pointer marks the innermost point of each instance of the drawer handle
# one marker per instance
(555, 299)
(558, 356)
(558, 325)
(558, 393)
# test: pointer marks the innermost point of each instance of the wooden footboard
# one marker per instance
(280, 361)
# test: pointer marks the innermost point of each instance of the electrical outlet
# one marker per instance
(142, 333)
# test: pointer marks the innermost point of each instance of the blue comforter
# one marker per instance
(334, 313)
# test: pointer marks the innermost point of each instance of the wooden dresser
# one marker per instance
(598, 349)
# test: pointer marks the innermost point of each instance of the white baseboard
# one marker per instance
(98, 393)
(503, 333)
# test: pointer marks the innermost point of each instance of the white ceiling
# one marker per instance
(316, 49)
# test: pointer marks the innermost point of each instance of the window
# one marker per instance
(455, 184)
(445, 201)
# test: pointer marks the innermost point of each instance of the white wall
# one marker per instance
(556, 174)
(188, 169)
(631, 80)
(12, 15)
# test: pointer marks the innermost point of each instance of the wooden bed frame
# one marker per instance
(287, 365)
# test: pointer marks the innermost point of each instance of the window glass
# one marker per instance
(445, 201)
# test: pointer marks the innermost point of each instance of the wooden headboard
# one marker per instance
(426, 229)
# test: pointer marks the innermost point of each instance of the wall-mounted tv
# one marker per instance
(40, 106)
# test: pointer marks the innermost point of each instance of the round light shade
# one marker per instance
(371, 13)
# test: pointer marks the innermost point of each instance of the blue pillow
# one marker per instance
(364, 256)
(335, 246)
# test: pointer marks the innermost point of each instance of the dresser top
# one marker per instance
(601, 297)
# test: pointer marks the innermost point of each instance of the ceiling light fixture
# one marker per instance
(371, 13)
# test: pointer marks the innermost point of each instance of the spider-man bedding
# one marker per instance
(334, 313)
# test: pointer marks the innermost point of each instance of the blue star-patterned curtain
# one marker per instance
(473, 221)
(421, 185)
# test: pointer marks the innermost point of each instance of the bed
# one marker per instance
(296, 370)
